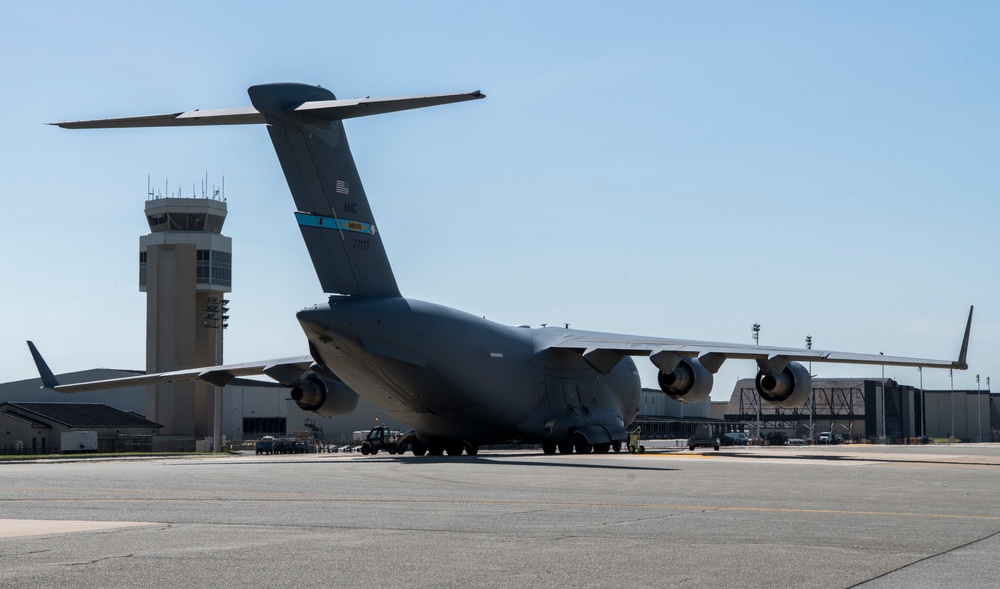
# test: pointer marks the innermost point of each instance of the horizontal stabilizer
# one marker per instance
(331, 110)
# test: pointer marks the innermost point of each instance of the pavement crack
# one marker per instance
(928, 557)
(95, 561)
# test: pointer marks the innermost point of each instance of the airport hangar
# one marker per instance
(185, 268)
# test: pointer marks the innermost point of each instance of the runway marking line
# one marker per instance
(17, 528)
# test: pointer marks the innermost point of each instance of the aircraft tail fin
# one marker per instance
(333, 212)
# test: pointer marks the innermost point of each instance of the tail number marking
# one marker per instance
(322, 222)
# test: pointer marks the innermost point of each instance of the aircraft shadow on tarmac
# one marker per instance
(543, 461)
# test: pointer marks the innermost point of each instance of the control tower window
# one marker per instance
(142, 269)
(214, 224)
(215, 267)
(186, 222)
(157, 222)
(204, 267)
(222, 268)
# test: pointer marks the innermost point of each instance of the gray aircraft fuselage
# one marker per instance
(453, 375)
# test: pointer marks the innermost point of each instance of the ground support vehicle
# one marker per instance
(634, 447)
(382, 438)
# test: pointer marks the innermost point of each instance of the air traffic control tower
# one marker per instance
(185, 266)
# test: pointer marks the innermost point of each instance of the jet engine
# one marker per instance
(322, 396)
(689, 382)
(788, 388)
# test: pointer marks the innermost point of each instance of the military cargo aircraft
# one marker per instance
(459, 380)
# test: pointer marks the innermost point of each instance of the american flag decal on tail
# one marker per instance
(342, 187)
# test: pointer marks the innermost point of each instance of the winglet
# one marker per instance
(49, 380)
(960, 364)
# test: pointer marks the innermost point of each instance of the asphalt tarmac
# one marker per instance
(850, 516)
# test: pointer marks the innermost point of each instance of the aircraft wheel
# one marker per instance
(566, 447)
(716, 448)
(435, 449)
(616, 446)
(418, 448)
(454, 448)
(691, 448)
(471, 449)
(583, 446)
(548, 447)
(602, 448)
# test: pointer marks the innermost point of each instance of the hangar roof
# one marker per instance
(78, 415)
(34, 423)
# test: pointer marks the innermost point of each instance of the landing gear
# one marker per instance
(440, 447)
(418, 447)
(602, 448)
(566, 447)
(583, 446)
(548, 447)
(616, 446)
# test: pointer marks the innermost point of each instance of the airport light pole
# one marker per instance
(884, 415)
(923, 404)
(979, 413)
(812, 392)
(216, 317)
(951, 376)
(755, 329)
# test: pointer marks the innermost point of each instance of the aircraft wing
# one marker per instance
(283, 370)
(604, 350)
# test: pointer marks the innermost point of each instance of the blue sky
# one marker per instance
(664, 169)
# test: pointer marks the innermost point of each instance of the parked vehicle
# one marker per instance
(776, 438)
(703, 437)
(265, 445)
(735, 439)
(829, 438)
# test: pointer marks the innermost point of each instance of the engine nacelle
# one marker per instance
(689, 382)
(321, 396)
(788, 388)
